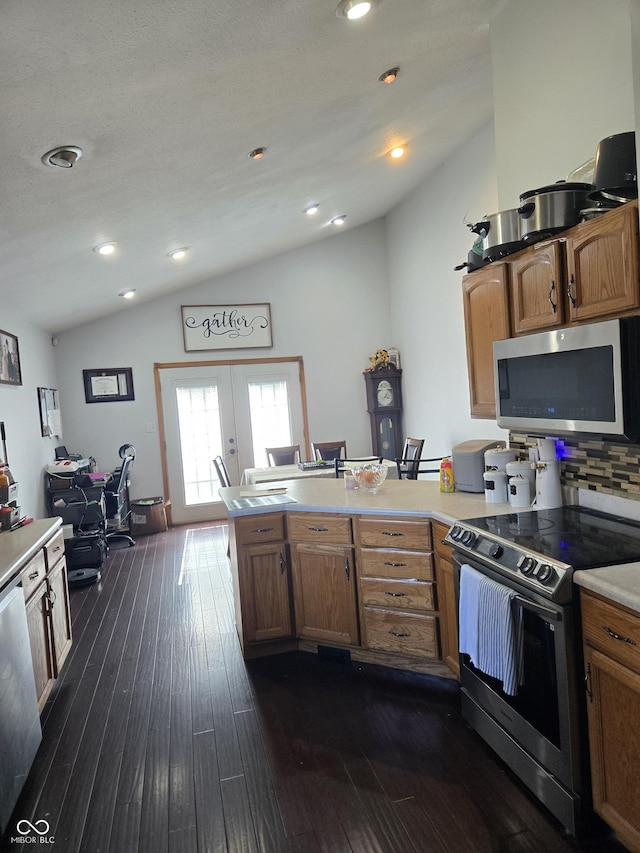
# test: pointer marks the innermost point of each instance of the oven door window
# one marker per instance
(537, 697)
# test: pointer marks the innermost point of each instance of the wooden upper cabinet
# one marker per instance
(537, 288)
(486, 316)
(602, 265)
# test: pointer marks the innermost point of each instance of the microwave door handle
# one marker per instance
(537, 608)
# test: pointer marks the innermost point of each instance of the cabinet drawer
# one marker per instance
(252, 529)
(54, 549)
(406, 633)
(611, 630)
(307, 527)
(392, 563)
(395, 533)
(33, 574)
(439, 532)
(406, 595)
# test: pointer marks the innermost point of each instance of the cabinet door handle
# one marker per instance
(394, 565)
(281, 564)
(319, 529)
(33, 576)
(52, 597)
(347, 569)
(396, 594)
(552, 290)
(587, 682)
(618, 636)
(262, 529)
(571, 290)
(398, 634)
(391, 533)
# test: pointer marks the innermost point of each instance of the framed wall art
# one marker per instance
(209, 327)
(108, 385)
(10, 372)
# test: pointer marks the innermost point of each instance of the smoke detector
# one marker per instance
(63, 157)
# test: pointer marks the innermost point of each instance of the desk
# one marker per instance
(252, 476)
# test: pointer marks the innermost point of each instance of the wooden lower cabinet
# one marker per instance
(46, 595)
(447, 607)
(396, 586)
(612, 675)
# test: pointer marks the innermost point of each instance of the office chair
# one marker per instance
(283, 455)
(342, 465)
(117, 499)
(328, 450)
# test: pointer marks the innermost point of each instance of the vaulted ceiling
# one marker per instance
(166, 98)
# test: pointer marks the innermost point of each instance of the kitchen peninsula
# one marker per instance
(348, 573)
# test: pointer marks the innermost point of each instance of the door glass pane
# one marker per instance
(200, 441)
(270, 417)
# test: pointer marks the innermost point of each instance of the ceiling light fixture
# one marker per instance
(128, 294)
(178, 254)
(397, 152)
(257, 153)
(63, 157)
(312, 209)
(105, 249)
(389, 76)
(354, 9)
(339, 220)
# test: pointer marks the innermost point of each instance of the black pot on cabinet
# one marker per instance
(615, 174)
(548, 210)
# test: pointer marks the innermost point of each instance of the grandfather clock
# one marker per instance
(384, 404)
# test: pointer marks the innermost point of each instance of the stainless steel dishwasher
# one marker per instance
(20, 732)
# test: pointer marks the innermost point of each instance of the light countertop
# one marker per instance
(18, 546)
(620, 584)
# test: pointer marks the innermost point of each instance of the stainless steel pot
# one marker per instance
(549, 210)
(500, 234)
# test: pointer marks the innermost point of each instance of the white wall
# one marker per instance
(27, 450)
(427, 238)
(329, 304)
(562, 81)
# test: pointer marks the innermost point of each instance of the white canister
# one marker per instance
(519, 491)
(495, 487)
(522, 469)
(498, 457)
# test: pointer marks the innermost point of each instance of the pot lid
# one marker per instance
(560, 186)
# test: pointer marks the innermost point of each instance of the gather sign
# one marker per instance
(209, 327)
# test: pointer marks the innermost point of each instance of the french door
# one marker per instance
(234, 410)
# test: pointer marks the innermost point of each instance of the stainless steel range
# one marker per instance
(537, 727)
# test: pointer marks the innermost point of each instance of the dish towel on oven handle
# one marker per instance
(491, 628)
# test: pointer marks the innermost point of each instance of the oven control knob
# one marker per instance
(546, 573)
(468, 537)
(496, 551)
(527, 565)
(456, 532)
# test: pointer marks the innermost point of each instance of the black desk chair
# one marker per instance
(117, 498)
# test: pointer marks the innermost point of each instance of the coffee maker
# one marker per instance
(547, 468)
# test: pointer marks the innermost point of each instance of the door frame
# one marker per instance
(174, 365)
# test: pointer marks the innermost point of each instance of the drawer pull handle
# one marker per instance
(618, 636)
(33, 576)
(391, 533)
(57, 548)
(396, 594)
(394, 565)
(281, 564)
(319, 529)
(262, 529)
(347, 568)
(398, 634)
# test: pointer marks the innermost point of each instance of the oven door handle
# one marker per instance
(537, 608)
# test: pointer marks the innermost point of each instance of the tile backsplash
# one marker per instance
(602, 466)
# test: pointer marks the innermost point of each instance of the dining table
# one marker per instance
(275, 473)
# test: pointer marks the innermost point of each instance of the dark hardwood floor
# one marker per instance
(159, 737)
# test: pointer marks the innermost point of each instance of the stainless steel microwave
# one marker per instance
(582, 379)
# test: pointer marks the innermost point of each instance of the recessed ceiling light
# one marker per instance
(339, 220)
(397, 152)
(257, 153)
(105, 248)
(311, 209)
(389, 76)
(63, 157)
(354, 9)
(128, 294)
(178, 254)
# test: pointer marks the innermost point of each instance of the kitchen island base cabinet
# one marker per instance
(447, 607)
(612, 677)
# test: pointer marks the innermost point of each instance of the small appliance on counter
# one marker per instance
(467, 459)
(547, 467)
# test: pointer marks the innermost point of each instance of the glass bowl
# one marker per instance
(370, 476)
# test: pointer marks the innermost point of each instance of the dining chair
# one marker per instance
(283, 455)
(410, 463)
(221, 471)
(342, 465)
(328, 450)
